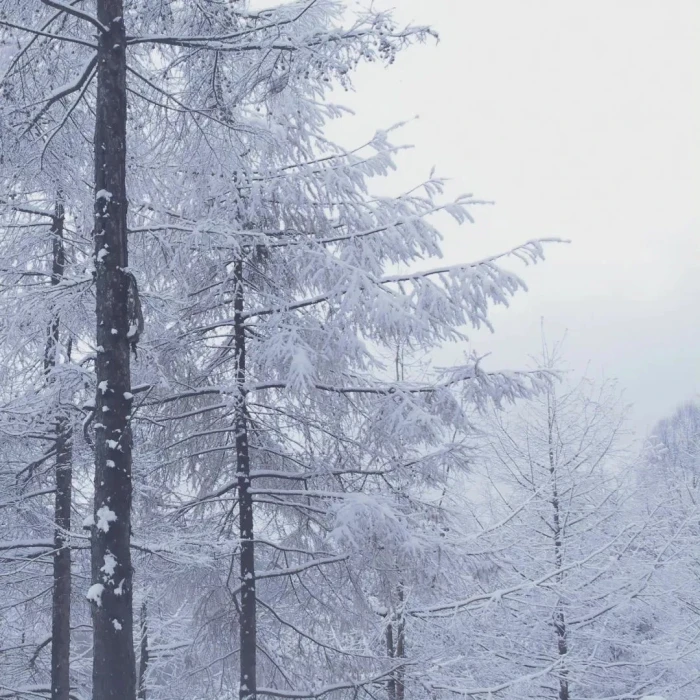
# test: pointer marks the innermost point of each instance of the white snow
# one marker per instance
(94, 594)
(89, 521)
(110, 565)
(103, 386)
(103, 194)
(105, 516)
(117, 625)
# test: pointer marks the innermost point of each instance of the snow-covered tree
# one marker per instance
(667, 479)
(572, 603)
(673, 453)
(264, 269)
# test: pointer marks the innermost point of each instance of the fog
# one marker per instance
(580, 120)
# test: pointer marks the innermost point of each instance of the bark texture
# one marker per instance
(114, 672)
(395, 636)
(61, 594)
(61, 603)
(248, 631)
(400, 644)
(144, 658)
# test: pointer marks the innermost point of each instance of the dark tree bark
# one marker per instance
(391, 682)
(144, 659)
(58, 266)
(61, 607)
(400, 644)
(247, 618)
(396, 648)
(114, 671)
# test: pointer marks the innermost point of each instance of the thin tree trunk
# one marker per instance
(113, 671)
(144, 659)
(61, 603)
(58, 266)
(396, 646)
(248, 613)
(400, 644)
(559, 617)
(391, 682)
(399, 652)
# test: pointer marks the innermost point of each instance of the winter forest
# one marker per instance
(230, 464)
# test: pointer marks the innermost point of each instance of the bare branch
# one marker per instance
(76, 13)
(48, 35)
(64, 91)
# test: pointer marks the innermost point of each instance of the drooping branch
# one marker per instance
(529, 251)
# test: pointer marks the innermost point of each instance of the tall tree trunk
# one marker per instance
(61, 607)
(61, 603)
(396, 647)
(559, 616)
(400, 643)
(144, 659)
(391, 682)
(248, 632)
(397, 682)
(113, 671)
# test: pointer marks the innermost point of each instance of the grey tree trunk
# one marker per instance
(400, 644)
(61, 603)
(396, 647)
(144, 658)
(395, 637)
(390, 651)
(559, 616)
(114, 671)
(247, 618)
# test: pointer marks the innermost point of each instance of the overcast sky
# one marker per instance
(581, 119)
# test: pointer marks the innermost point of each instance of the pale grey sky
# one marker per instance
(582, 120)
